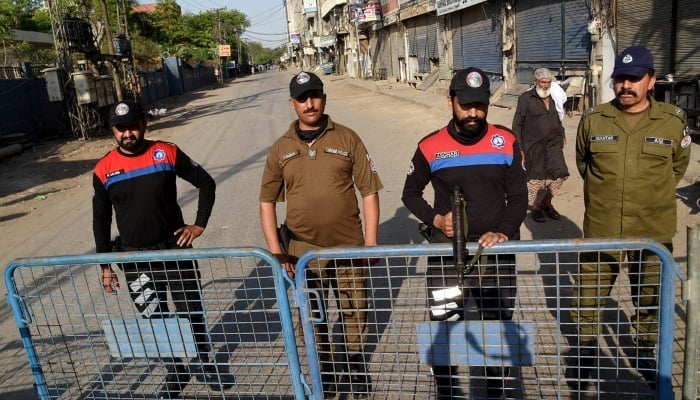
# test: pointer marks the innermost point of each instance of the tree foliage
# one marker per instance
(164, 31)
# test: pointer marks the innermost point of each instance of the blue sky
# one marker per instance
(267, 18)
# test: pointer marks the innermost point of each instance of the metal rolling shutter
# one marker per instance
(457, 50)
(476, 38)
(387, 60)
(649, 24)
(432, 30)
(688, 32)
(417, 30)
(577, 40)
(552, 33)
(397, 49)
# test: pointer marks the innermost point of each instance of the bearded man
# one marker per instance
(485, 161)
(540, 133)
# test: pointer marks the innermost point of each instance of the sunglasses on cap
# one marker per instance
(313, 94)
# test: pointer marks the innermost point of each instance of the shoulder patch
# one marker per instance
(686, 141)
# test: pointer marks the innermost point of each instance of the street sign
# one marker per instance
(224, 50)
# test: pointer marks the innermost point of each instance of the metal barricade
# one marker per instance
(231, 336)
(691, 295)
(524, 357)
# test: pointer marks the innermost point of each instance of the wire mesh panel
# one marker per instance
(398, 322)
(217, 327)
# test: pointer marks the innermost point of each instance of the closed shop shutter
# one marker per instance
(476, 37)
(422, 39)
(397, 48)
(649, 24)
(385, 53)
(552, 34)
(687, 54)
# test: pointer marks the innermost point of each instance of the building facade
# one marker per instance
(422, 42)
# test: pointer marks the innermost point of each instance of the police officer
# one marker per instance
(631, 153)
(485, 161)
(317, 165)
(137, 180)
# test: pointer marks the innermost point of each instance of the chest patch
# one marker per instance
(332, 150)
(446, 154)
(498, 141)
(159, 154)
(605, 138)
(289, 155)
(658, 140)
(114, 173)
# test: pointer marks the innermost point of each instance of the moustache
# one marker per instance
(469, 120)
(626, 91)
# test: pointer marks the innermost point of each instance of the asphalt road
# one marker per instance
(229, 130)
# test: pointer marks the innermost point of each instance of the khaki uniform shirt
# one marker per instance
(319, 183)
(630, 176)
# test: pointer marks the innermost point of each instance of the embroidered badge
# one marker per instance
(685, 142)
(627, 59)
(159, 154)
(474, 79)
(302, 78)
(312, 153)
(371, 164)
(411, 169)
(498, 141)
(121, 109)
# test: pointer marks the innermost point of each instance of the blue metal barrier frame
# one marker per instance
(24, 320)
(664, 388)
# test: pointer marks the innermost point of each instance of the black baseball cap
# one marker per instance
(126, 112)
(634, 61)
(304, 82)
(471, 85)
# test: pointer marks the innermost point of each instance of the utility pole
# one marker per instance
(110, 46)
(217, 28)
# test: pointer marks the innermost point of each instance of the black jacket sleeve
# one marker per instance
(417, 179)
(101, 216)
(199, 178)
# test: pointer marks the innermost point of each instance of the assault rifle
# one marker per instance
(459, 239)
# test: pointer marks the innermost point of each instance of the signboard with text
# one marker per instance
(448, 6)
(310, 6)
(224, 50)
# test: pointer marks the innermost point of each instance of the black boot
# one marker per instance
(580, 364)
(360, 383)
(496, 385)
(206, 373)
(177, 378)
(446, 385)
(646, 362)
